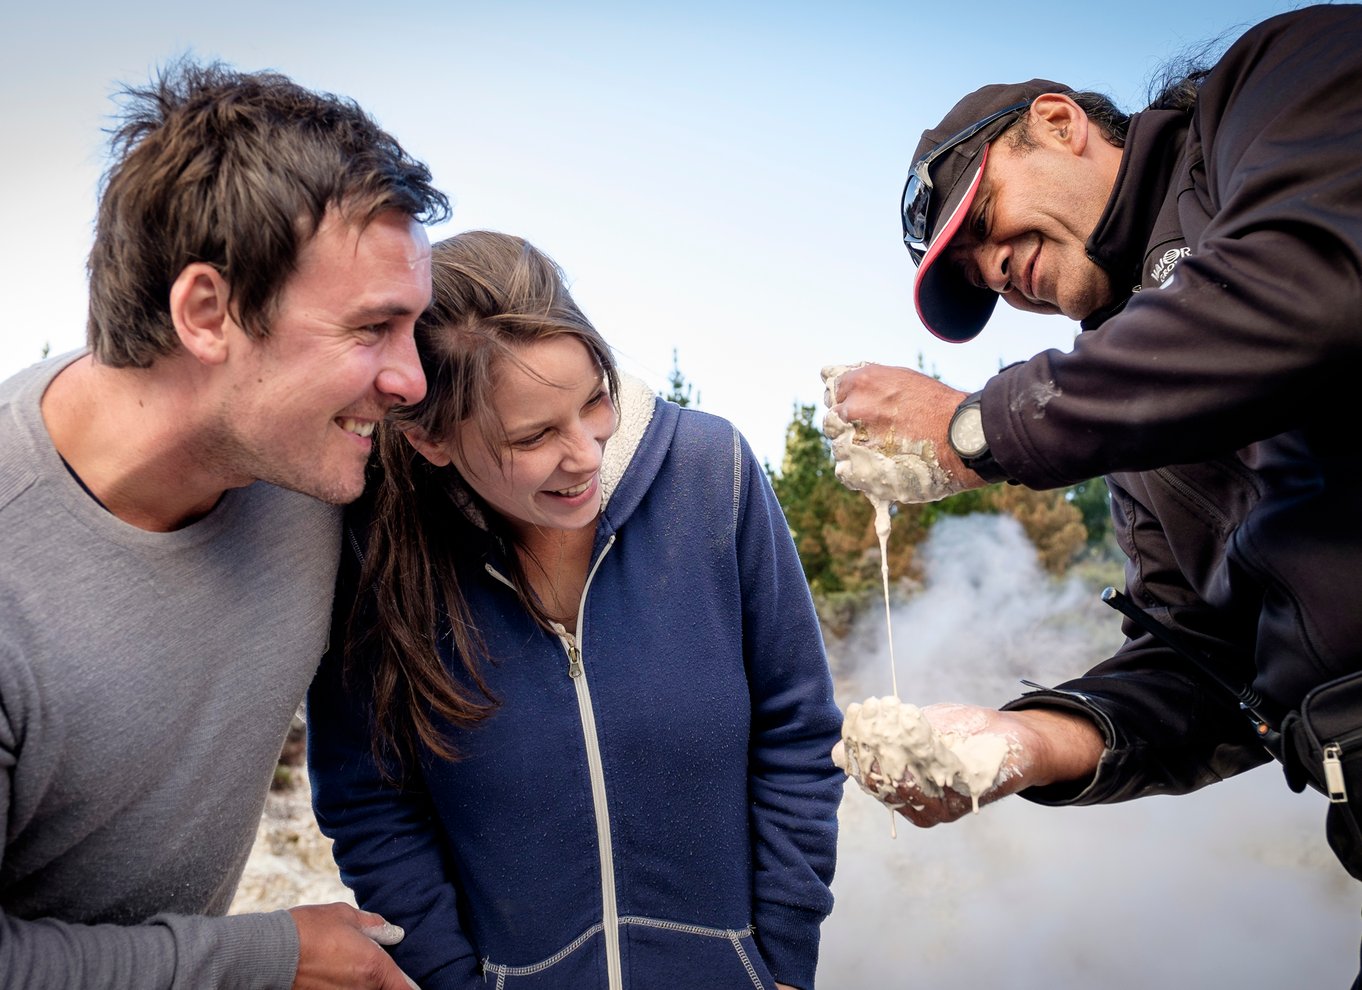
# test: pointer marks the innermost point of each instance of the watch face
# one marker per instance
(967, 432)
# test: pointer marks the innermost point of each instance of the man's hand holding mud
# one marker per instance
(903, 415)
(1047, 746)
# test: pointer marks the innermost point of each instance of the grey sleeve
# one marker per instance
(242, 952)
(174, 952)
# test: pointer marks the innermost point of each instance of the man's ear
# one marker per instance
(199, 309)
(427, 448)
(1060, 120)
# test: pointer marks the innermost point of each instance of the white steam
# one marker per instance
(1231, 887)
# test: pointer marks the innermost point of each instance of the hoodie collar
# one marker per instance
(635, 404)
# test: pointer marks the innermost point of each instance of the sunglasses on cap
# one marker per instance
(917, 191)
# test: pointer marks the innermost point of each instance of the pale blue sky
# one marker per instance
(719, 178)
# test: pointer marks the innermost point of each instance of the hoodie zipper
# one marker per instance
(577, 671)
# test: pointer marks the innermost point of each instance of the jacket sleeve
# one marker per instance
(1257, 332)
(794, 786)
(385, 840)
(249, 951)
(1169, 728)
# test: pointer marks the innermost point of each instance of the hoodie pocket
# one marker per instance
(670, 955)
(580, 964)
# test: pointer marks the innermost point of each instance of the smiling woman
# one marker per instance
(580, 731)
(552, 414)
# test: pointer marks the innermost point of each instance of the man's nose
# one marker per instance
(995, 267)
(401, 375)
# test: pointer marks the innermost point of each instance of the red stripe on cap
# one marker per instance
(943, 240)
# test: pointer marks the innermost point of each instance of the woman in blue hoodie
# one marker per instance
(576, 731)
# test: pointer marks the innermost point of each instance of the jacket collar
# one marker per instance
(1155, 142)
(635, 454)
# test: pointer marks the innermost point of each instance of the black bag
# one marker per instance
(1324, 749)
(1321, 744)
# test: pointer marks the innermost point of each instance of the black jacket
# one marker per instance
(1217, 397)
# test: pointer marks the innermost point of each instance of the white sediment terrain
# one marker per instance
(291, 861)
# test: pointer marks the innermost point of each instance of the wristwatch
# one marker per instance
(966, 437)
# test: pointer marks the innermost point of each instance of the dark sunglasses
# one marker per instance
(917, 191)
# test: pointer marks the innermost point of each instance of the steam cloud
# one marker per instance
(1231, 887)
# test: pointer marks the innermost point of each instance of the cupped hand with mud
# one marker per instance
(1048, 746)
(339, 947)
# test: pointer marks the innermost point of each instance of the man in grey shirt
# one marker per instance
(169, 530)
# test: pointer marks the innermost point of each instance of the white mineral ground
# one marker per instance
(885, 742)
(291, 861)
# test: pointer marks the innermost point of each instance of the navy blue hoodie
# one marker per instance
(654, 803)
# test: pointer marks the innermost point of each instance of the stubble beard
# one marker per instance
(241, 461)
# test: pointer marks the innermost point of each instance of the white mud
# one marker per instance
(885, 742)
(896, 470)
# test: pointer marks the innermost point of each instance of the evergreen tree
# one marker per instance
(1051, 522)
(1093, 500)
(679, 390)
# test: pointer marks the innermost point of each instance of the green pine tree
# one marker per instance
(679, 390)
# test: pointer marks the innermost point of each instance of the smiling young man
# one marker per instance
(1211, 246)
(170, 499)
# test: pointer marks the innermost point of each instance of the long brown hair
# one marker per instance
(493, 294)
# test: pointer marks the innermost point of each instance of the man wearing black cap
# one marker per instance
(1211, 246)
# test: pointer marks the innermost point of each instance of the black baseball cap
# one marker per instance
(947, 167)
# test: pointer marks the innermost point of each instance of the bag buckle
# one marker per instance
(1333, 774)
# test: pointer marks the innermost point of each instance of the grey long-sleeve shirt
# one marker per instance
(147, 681)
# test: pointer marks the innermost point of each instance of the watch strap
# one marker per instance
(983, 463)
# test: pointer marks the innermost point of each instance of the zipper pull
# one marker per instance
(574, 661)
(1333, 774)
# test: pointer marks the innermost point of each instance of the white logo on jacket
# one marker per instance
(1162, 272)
